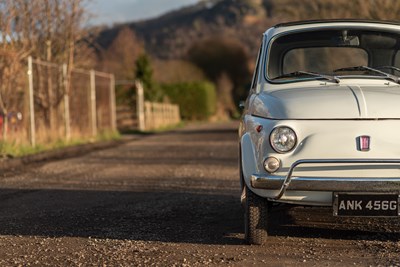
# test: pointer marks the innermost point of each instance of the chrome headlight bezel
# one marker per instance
(277, 134)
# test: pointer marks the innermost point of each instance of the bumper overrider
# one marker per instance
(343, 184)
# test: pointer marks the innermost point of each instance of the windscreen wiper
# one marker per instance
(394, 78)
(388, 67)
(314, 74)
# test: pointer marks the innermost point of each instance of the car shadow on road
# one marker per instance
(204, 218)
(319, 222)
(186, 217)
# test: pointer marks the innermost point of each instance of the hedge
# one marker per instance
(197, 100)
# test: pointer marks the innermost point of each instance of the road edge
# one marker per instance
(62, 153)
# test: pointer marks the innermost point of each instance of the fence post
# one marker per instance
(112, 103)
(140, 105)
(67, 118)
(93, 102)
(31, 103)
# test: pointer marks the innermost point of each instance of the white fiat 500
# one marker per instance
(321, 124)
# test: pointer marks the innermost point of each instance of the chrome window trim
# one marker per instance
(327, 27)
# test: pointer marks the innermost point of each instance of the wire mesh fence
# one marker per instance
(52, 103)
(104, 105)
(80, 104)
(13, 105)
(47, 79)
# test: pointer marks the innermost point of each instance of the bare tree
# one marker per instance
(122, 54)
(16, 44)
(176, 71)
(46, 29)
(225, 104)
(318, 9)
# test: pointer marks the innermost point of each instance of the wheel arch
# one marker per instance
(247, 159)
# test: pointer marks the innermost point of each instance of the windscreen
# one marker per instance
(323, 60)
(340, 52)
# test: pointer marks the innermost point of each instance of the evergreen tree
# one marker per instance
(144, 73)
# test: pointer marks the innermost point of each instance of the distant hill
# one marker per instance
(171, 35)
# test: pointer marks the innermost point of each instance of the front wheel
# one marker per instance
(255, 218)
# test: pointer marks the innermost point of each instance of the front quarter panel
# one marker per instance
(252, 146)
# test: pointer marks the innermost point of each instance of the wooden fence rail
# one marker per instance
(145, 115)
(159, 115)
(152, 115)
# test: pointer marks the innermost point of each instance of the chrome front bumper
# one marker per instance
(282, 184)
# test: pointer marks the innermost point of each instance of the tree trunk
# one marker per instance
(5, 125)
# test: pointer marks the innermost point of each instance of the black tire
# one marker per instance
(255, 218)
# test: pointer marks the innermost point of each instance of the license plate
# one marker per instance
(366, 204)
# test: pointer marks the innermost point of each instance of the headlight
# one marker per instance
(283, 139)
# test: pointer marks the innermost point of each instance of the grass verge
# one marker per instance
(12, 149)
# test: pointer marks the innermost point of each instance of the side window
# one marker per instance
(397, 59)
(256, 70)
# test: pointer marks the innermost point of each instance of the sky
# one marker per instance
(115, 11)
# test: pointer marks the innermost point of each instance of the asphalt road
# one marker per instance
(170, 199)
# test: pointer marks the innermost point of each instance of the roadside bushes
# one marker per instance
(197, 100)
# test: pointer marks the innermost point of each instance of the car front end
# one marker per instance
(321, 123)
